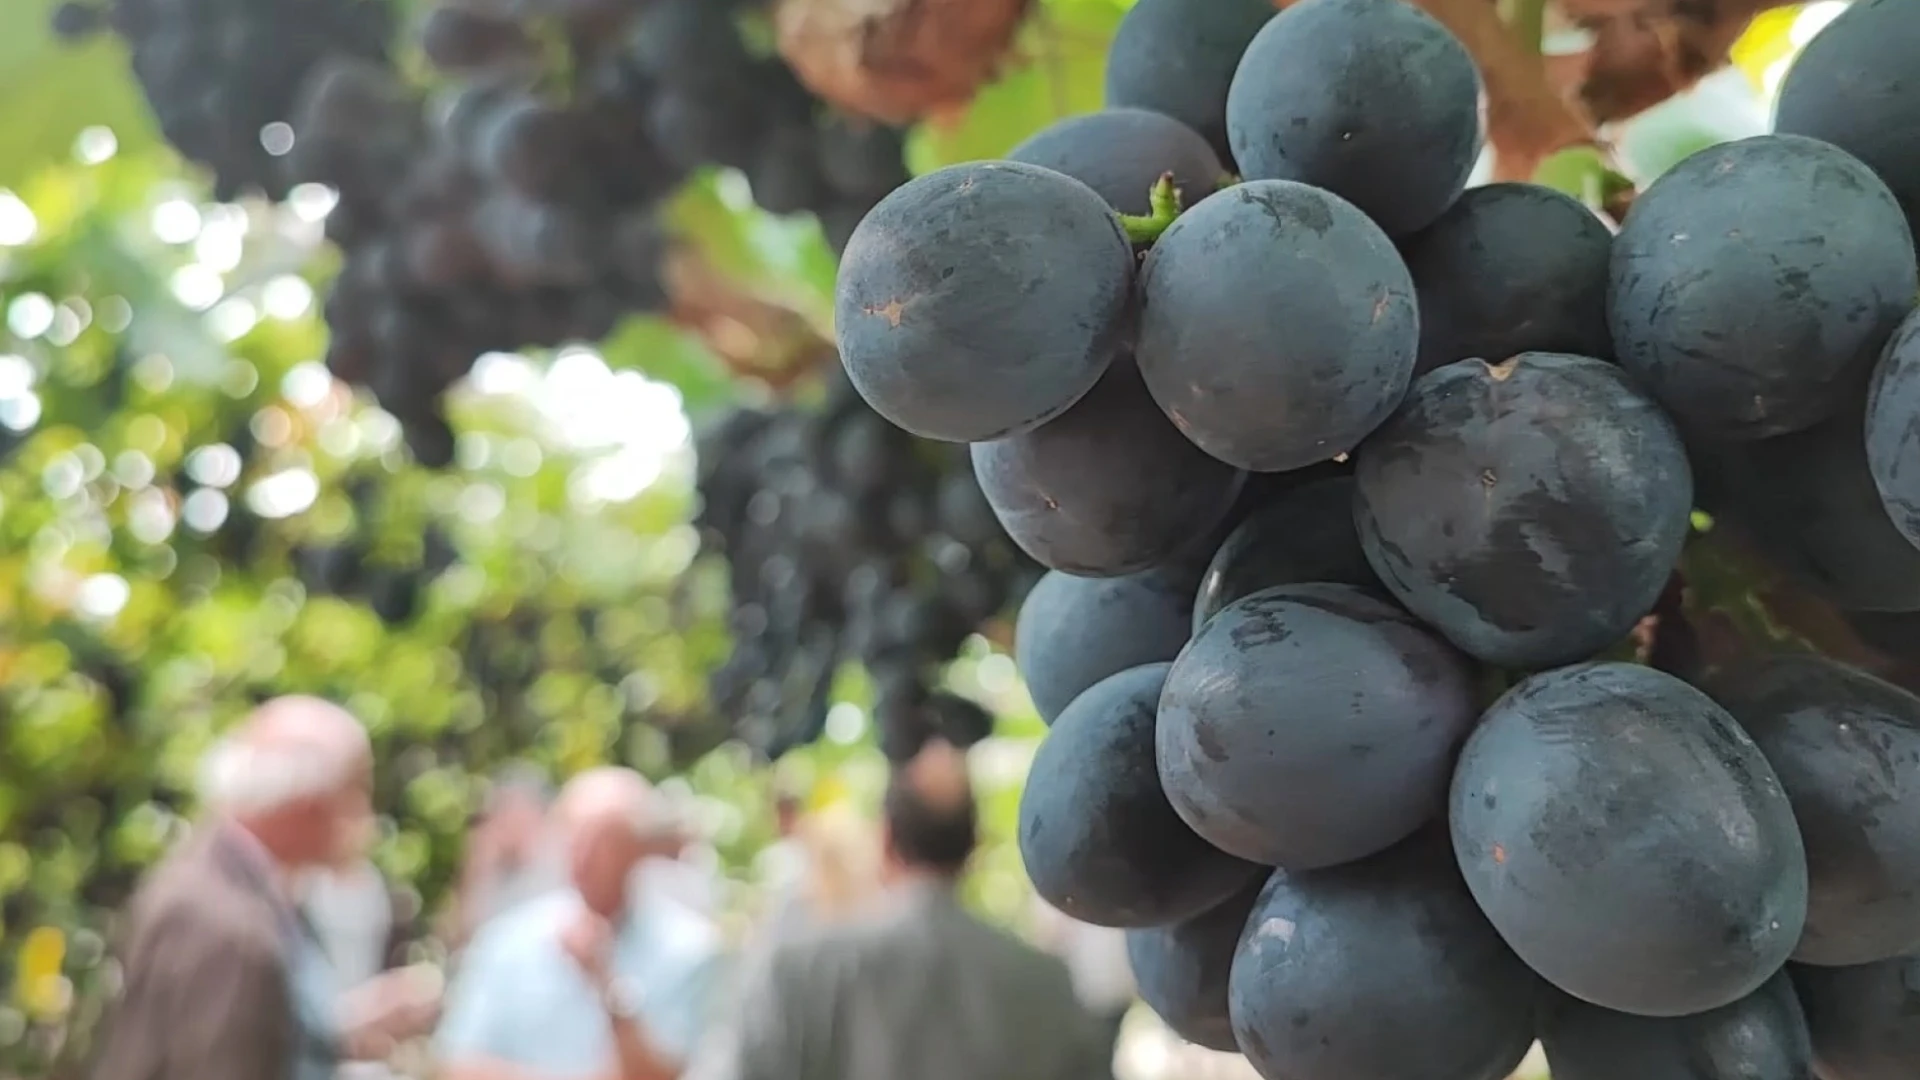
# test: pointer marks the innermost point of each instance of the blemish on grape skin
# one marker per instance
(891, 311)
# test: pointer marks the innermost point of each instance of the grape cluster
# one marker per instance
(513, 214)
(847, 540)
(1386, 788)
(221, 74)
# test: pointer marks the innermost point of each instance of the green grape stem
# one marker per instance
(1163, 206)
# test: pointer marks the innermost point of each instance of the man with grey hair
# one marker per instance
(601, 981)
(221, 976)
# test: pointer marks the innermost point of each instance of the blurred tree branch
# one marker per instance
(1646, 51)
(754, 336)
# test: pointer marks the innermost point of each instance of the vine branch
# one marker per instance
(755, 337)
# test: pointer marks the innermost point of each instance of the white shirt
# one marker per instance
(352, 914)
(519, 997)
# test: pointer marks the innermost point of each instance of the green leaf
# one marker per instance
(1062, 73)
(1584, 174)
(665, 352)
(50, 91)
(1721, 109)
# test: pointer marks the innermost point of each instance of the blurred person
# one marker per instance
(354, 914)
(837, 875)
(506, 861)
(839, 860)
(925, 991)
(360, 921)
(689, 870)
(605, 980)
(222, 976)
(781, 865)
(696, 876)
(841, 864)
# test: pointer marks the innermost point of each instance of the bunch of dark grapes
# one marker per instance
(222, 76)
(848, 540)
(1401, 756)
(520, 209)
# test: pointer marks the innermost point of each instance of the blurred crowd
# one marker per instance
(583, 944)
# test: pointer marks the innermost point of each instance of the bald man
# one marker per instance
(601, 981)
(223, 980)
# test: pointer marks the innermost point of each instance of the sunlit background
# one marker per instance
(178, 463)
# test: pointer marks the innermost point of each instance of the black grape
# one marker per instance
(1311, 725)
(1280, 325)
(1629, 841)
(1380, 968)
(1508, 269)
(1098, 837)
(1372, 100)
(860, 159)
(456, 37)
(1727, 300)
(1107, 488)
(845, 539)
(1181, 969)
(519, 208)
(1852, 86)
(1893, 454)
(1865, 1020)
(75, 21)
(689, 43)
(1303, 535)
(1075, 631)
(956, 317)
(1808, 501)
(1123, 153)
(1763, 1036)
(1846, 747)
(1532, 511)
(1177, 58)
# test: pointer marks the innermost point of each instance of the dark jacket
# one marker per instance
(208, 991)
(926, 992)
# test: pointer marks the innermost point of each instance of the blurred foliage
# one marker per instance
(194, 516)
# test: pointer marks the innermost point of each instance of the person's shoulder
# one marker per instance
(184, 903)
(523, 928)
(178, 920)
(960, 936)
(854, 945)
(681, 930)
(811, 960)
(1016, 954)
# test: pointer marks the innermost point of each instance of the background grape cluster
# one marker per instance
(1383, 518)
(848, 540)
(521, 206)
(222, 76)
(517, 205)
